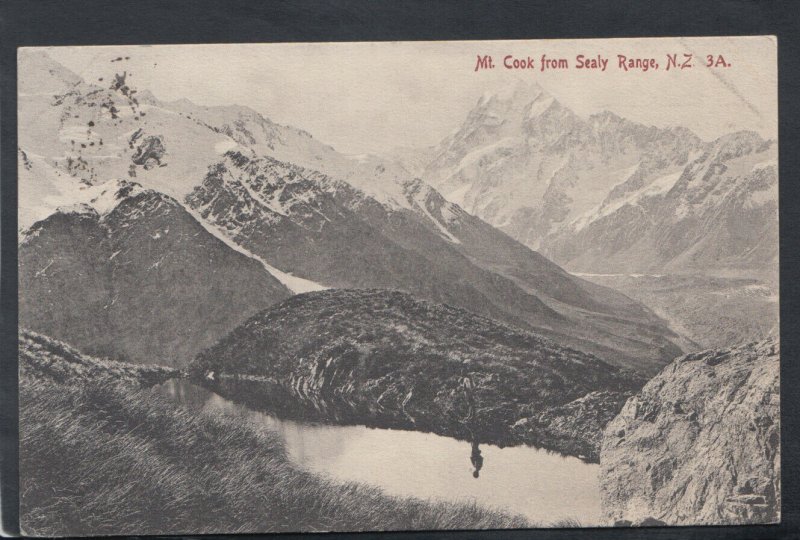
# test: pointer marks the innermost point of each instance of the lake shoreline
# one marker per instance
(572, 440)
(146, 466)
(405, 462)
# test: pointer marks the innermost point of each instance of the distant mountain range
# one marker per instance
(604, 194)
(309, 224)
(278, 213)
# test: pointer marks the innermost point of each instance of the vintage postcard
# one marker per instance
(399, 285)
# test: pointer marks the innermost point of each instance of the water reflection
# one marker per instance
(543, 486)
(469, 420)
(476, 459)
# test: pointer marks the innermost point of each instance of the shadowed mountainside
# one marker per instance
(323, 229)
(141, 280)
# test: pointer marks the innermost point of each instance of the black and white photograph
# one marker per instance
(407, 285)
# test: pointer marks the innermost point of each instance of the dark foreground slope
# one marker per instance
(100, 454)
(700, 444)
(143, 281)
(385, 358)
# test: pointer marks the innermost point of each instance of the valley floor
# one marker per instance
(711, 312)
(100, 456)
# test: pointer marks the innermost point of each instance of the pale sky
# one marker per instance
(372, 97)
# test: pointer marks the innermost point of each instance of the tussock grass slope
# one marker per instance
(42, 356)
(100, 456)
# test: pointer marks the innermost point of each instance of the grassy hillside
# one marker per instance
(385, 358)
(100, 453)
(44, 357)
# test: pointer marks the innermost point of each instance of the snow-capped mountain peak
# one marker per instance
(311, 216)
(517, 95)
(527, 164)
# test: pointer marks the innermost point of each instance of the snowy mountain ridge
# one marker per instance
(307, 215)
(553, 180)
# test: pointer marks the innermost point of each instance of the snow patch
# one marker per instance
(295, 284)
(760, 198)
(100, 156)
(682, 210)
(44, 190)
(588, 275)
(379, 181)
(765, 164)
(420, 198)
(224, 146)
(539, 106)
(458, 195)
(146, 107)
(659, 186)
(361, 158)
(41, 272)
(76, 208)
(473, 157)
(105, 197)
(273, 204)
(73, 133)
(448, 213)
(156, 264)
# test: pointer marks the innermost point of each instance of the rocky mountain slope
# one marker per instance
(384, 358)
(719, 214)
(700, 444)
(604, 194)
(332, 233)
(132, 275)
(313, 217)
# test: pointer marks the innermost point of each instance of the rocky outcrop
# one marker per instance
(149, 152)
(700, 444)
(574, 428)
(388, 359)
